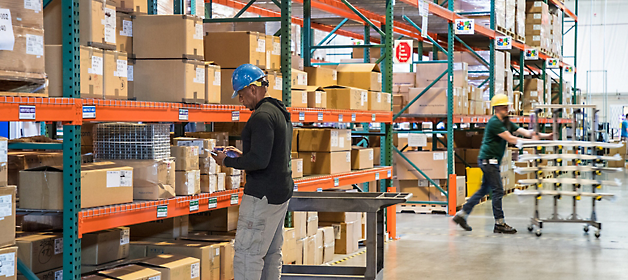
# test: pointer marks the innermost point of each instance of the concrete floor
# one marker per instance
(432, 247)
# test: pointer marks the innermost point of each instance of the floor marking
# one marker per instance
(361, 252)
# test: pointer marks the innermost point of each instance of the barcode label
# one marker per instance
(34, 45)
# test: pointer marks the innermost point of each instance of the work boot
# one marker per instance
(504, 228)
(462, 222)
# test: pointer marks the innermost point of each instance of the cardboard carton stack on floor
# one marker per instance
(325, 151)
(8, 251)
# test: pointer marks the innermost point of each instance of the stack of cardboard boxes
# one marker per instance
(8, 251)
(338, 233)
(520, 19)
(188, 174)
(324, 151)
(538, 25)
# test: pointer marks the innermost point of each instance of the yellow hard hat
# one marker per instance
(500, 100)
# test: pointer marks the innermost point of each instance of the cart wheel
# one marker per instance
(597, 234)
(530, 228)
(538, 232)
(586, 228)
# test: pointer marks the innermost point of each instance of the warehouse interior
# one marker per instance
(451, 139)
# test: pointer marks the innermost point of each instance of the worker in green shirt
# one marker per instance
(499, 131)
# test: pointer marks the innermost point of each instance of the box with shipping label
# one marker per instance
(311, 225)
(97, 22)
(213, 83)
(91, 65)
(364, 75)
(361, 158)
(299, 79)
(418, 188)
(324, 140)
(132, 6)
(188, 182)
(115, 75)
(178, 36)
(300, 224)
(152, 179)
(232, 49)
(7, 215)
(41, 252)
(325, 162)
(26, 160)
(102, 184)
(297, 167)
(273, 52)
(202, 144)
(299, 99)
(208, 166)
(299, 251)
(207, 253)
(131, 272)
(221, 181)
(169, 80)
(375, 101)
(289, 248)
(347, 98)
(25, 58)
(9, 256)
(433, 164)
(344, 242)
(105, 246)
(404, 78)
(24, 14)
(337, 217)
(316, 97)
(321, 76)
(233, 182)
(433, 101)
(186, 157)
(55, 274)
(209, 183)
(227, 251)
(170, 228)
(124, 33)
(275, 84)
(175, 267)
(225, 219)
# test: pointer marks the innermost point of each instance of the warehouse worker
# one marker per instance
(624, 129)
(266, 142)
(499, 131)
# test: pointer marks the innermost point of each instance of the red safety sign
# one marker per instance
(403, 51)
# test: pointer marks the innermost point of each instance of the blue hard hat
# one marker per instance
(245, 75)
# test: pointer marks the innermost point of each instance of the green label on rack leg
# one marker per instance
(162, 211)
(235, 199)
(336, 182)
(193, 205)
(212, 203)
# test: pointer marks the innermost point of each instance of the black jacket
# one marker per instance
(266, 147)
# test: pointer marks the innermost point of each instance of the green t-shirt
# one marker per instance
(493, 146)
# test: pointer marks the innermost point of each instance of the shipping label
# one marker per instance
(217, 77)
(121, 68)
(7, 38)
(302, 79)
(334, 75)
(158, 277)
(348, 156)
(113, 179)
(371, 155)
(6, 206)
(127, 28)
(34, 5)
(126, 178)
(58, 246)
(261, 45)
(417, 140)
(97, 66)
(439, 156)
(200, 75)
(304, 97)
(276, 48)
(300, 166)
(196, 270)
(341, 142)
(379, 97)
(334, 138)
(379, 78)
(364, 98)
(34, 45)
(7, 269)
(129, 73)
(278, 83)
(318, 97)
(110, 25)
(3, 151)
(125, 236)
(198, 32)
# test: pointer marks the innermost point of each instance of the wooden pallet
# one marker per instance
(520, 38)
(22, 84)
(506, 31)
(23, 94)
(421, 208)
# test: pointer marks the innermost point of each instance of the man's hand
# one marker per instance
(219, 157)
(233, 149)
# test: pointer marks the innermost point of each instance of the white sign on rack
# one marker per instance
(503, 42)
(417, 140)
(465, 26)
(531, 54)
(552, 63)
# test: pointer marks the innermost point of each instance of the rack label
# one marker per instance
(212, 203)
(336, 182)
(319, 190)
(125, 235)
(235, 116)
(296, 188)
(26, 112)
(340, 118)
(89, 112)
(235, 199)
(301, 116)
(388, 174)
(376, 176)
(503, 43)
(162, 211)
(194, 205)
(465, 26)
(184, 114)
(320, 117)
(373, 117)
(353, 117)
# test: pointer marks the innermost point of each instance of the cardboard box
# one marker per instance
(376, 156)
(26, 59)
(105, 246)
(324, 140)
(169, 80)
(344, 242)
(404, 78)
(7, 215)
(133, 6)
(225, 219)
(96, 21)
(46, 275)
(316, 97)
(328, 244)
(346, 98)
(152, 179)
(275, 84)
(300, 224)
(9, 256)
(227, 252)
(386, 104)
(207, 253)
(375, 101)
(208, 166)
(102, 184)
(311, 225)
(40, 252)
(178, 36)
(338, 217)
(202, 144)
(27, 14)
(325, 162)
(364, 75)
(289, 248)
(115, 75)
(273, 52)
(188, 182)
(299, 99)
(319, 247)
(131, 272)
(186, 157)
(209, 183)
(130, 65)
(124, 33)
(213, 84)
(175, 267)
(232, 49)
(25, 160)
(220, 181)
(170, 228)
(300, 250)
(309, 248)
(321, 76)
(433, 164)
(297, 167)
(434, 101)
(299, 79)
(91, 65)
(361, 158)
(233, 182)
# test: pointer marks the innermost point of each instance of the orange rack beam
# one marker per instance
(66, 110)
(477, 119)
(101, 218)
(332, 116)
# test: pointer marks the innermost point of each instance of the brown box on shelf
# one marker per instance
(319, 247)
(433, 164)
(131, 272)
(275, 84)
(297, 167)
(233, 182)
(208, 165)
(10, 255)
(188, 182)
(227, 91)
(169, 80)
(309, 246)
(289, 248)
(97, 23)
(213, 84)
(361, 158)
(209, 183)
(321, 76)
(103, 184)
(324, 140)
(299, 99)
(134, 6)
(300, 224)
(404, 78)
(329, 244)
(364, 75)
(40, 252)
(7, 215)
(26, 59)
(316, 97)
(273, 52)
(164, 229)
(124, 33)
(300, 250)
(222, 138)
(346, 98)
(178, 36)
(225, 219)
(105, 246)
(325, 162)
(227, 251)
(152, 179)
(299, 79)
(25, 14)
(311, 224)
(91, 71)
(232, 49)
(115, 75)
(25, 160)
(174, 267)
(56, 273)
(345, 242)
(207, 253)
(419, 191)
(202, 144)
(186, 157)
(433, 101)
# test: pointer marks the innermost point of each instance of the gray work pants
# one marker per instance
(259, 239)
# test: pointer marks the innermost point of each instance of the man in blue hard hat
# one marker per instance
(266, 143)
